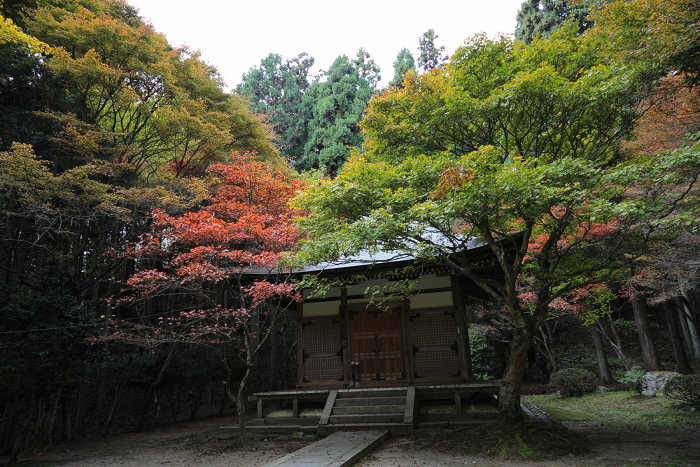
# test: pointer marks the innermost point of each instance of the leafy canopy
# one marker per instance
(515, 145)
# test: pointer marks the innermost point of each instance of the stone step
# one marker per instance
(368, 409)
(463, 423)
(366, 418)
(371, 393)
(305, 421)
(396, 429)
(279, 429)
(344, 402)
(449, 417)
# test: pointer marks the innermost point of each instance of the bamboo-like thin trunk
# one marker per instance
(684, 367)
(65, 415)
(686, 305)
(649, 355)
(605, 373)
(110, 416)
(680, 308)
(615, 344)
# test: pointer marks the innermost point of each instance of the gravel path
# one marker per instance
(192, 444)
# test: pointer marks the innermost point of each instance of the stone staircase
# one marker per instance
(390, 409)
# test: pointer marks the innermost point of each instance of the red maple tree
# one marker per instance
(215, 275)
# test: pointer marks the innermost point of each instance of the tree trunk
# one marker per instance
(65, 414)
(683, 365)
(240, 408)
(256, 381)
(688, 314)
(153, 386)
(615, 344)
(224, 398)
(80, 416)
(110, 416)
(238, 397)
(51, 416)
(545, 346)
(101, 396)
(605, 373)
(8, 427)
(509, 393)
(690, 343)
(24, 420)
(197, 399)
(649, 355)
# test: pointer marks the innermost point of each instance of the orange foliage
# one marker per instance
(452, 177)
(674, 112)
(245, 228)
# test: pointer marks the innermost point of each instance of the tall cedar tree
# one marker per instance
(337, 105)
(542, 17)
(403, 64)
(276, 88)
(429, 55)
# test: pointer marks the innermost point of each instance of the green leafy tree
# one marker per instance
(543, 17)
(403, 64)
(663, 34)
(429, 55)
(153, 104)
(101, 120)
(277, 89)
(515, 145)
(337, 105)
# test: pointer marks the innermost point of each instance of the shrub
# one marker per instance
(573, 381)
(633, 379)
(484, 359)
(684, 388)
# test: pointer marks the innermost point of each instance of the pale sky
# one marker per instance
(235, 35)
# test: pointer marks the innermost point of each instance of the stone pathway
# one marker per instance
(337, 450)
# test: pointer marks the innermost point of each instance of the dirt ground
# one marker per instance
(193, 444)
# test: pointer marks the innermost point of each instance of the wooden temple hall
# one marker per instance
(394, 339)
(386, 348)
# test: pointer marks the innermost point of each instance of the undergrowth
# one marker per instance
(621, 409)
(522, 441)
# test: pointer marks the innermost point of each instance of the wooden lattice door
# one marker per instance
(323, 359)
(434, 344)
(376, 344)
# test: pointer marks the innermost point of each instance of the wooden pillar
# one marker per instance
(462, 331)
(300, 343)
(344, 320)
(406, 341)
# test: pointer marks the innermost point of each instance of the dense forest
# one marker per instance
(137, 195)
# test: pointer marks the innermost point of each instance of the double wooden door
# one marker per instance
(376, 344)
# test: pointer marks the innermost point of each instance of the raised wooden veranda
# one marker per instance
(400, 409)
